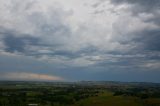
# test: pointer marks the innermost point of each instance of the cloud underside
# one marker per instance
(104, 34)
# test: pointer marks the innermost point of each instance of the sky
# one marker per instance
(75, 40)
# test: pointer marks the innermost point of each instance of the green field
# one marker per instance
(107, 99)
(79, 94)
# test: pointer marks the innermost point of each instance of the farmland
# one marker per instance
(79, 94)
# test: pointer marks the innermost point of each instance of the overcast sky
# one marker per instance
(71, 40)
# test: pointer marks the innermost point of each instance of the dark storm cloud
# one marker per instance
(49, 29)
(152, 4)
(149, 40)
(141, 7)
(17, 44)
(148, 12)
(138, 6)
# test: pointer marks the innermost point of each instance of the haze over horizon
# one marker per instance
(70, 40)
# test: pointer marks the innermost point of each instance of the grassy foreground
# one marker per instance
(107, 99)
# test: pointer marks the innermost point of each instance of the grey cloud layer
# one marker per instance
(118, 35)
